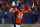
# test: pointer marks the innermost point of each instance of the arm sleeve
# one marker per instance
(16, 10)
(11, 9)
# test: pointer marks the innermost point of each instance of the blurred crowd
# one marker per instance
(5, 5)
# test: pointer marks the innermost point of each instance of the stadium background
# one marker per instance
(6, 16)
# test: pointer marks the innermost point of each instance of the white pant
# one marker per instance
(13, 25)
(17, 25)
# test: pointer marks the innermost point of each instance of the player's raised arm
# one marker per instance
(13, 11)
(27, 11)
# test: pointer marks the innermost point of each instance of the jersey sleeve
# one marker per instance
(15, 10)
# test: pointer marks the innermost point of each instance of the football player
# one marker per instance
(19, 14)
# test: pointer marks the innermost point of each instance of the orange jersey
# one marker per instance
(19, 16)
